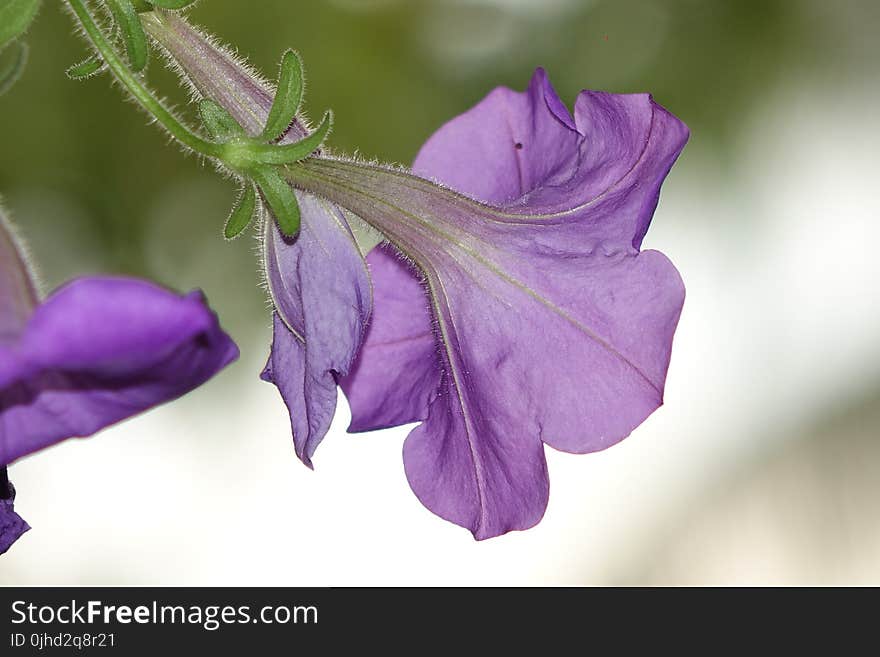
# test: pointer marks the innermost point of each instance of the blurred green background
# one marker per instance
(763, 467)
(392, 71)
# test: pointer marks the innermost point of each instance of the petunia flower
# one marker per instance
(524, 312)
(317, 280)
(513, 306)
(94, 352)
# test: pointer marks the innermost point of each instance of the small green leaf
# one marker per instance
(289, 153)
(11, 70)
(280, 197)
(218, 122)
(288, 97)
(171, 4)
(242, 213)
(132, 32)
(86, 68)
(15, 18)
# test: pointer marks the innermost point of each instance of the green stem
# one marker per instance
(137, 89)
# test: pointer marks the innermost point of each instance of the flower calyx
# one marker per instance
(258, 160)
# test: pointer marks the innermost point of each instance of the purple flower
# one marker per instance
(512, 306)
(317, 280)
(96, 351)
(527, 317)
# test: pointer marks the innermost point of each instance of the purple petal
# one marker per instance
(614, 163)
(310, 401)
(318, 281)
(11, 524)
(630, 144)
(470, 467)
(322, 297)
(477, 460)
(506, 146)
(580, 345)
(100, 350)
(397, 372)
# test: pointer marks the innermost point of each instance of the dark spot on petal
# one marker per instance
(518, 146)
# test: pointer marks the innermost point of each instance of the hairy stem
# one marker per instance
(137, 89)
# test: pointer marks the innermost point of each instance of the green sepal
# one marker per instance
(241, 215)
(86, 68)
(218, 122)
(15, 18)
(290, 153)
(171, 4)
(280, 197)
(288, 97)
(132, 32)
(11, 70)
